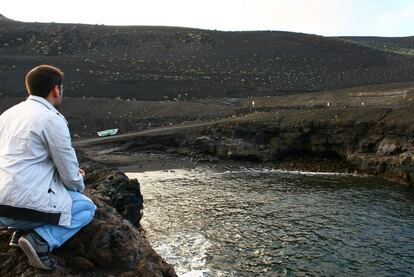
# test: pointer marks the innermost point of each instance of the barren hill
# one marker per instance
(399, 45)
(4, 19)
(158, 63)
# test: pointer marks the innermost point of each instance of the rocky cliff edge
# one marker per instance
(111, 245)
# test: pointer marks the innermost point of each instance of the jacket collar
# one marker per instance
(46, 103)
(43, 101)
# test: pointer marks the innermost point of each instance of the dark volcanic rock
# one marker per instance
(109, 246)
(368, 140)
(124, 194)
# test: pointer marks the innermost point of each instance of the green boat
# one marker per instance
(109, 132)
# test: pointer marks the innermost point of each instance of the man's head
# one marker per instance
(46, 81)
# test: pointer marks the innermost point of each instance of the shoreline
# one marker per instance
(155, 161)
(169, 162)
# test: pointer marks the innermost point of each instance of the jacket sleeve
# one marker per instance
(58, 141)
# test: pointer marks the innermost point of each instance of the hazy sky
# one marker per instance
(324, 17)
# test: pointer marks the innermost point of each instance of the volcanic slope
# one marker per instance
(159, 63)
(399, 45)
(89, 115)
(4, 19)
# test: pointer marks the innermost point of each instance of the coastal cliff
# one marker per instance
(370, 140)
(111, 245)
(376, 141)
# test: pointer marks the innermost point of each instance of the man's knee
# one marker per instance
(88, 204)
(81, 203)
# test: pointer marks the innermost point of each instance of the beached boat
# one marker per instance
(109, 132)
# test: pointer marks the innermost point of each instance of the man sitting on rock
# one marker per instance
(41, 183)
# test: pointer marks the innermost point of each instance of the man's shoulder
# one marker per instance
(57, 118)
(12, 112)
(13, 108)
(35, 112)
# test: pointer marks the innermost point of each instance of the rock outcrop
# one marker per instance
(109, 246)
(376, 140)
(124, 194)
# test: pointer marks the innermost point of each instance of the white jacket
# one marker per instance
(37, 164)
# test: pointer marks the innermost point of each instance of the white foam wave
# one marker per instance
(264, 170)
(186, 251)
(196, 273)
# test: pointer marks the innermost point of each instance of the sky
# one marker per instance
(322, 17)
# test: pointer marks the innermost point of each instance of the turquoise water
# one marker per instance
(254, 222)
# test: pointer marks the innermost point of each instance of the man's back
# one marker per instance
(37, 160)
(23, 155)
(21, 129)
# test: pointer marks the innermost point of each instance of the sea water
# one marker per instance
(260, 222)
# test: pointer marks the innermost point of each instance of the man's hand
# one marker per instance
(82, 172)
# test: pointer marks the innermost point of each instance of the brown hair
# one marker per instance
(42, 79)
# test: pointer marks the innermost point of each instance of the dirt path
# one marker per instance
(153, 131)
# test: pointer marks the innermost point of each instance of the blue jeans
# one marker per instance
(83, 210)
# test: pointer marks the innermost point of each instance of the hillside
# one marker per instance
(89, 115)
(159, 63)
(4, 19)
(398, 45)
